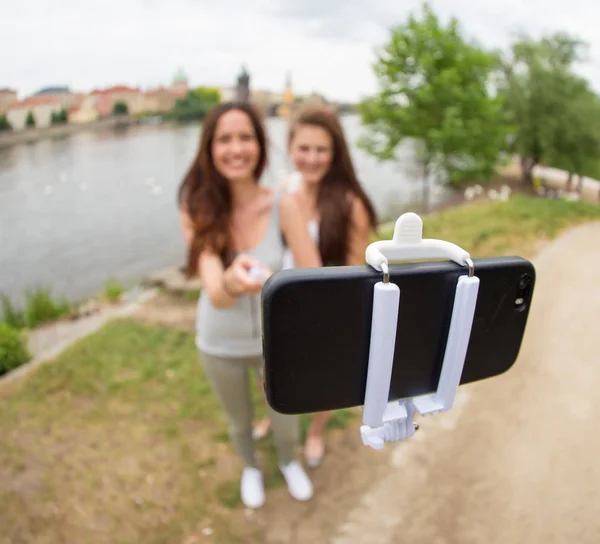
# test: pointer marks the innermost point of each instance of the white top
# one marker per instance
(292, 186)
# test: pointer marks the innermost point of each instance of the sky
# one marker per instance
(328, 46)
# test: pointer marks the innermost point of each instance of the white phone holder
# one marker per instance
(385, 421)
(257, 273)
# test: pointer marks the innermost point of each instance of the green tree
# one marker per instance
(196, 104)
(59, 117)
(555, 113)
(30, 120)
(63, 117)
(4, 124)
(120, 108)
(434, 87)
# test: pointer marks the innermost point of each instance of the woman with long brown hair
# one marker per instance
(336, 209)
(234, 227)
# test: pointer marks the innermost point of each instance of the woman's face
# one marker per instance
(311, 149)
(235, 148)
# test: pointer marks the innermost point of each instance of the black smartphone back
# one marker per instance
(317, 327)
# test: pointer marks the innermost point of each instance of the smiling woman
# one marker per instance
(234, 226)
(336, 209)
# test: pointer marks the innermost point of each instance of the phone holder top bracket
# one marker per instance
(385, 421)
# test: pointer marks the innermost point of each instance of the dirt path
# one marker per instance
(516, 460)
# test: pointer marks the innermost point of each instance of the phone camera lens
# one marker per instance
(524, 282)
(522, 294)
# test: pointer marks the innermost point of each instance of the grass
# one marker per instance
(123, 427)
(517, 227)
(191, 295)
(118, 432)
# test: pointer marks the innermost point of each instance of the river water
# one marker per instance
(77, 210)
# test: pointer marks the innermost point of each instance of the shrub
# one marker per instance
(13, 352)
(12, 315)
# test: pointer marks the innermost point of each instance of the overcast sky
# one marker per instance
(327, 45)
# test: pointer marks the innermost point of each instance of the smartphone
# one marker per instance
(317, 328)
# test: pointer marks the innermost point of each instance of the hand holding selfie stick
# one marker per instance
(256, 273)
(385, 421)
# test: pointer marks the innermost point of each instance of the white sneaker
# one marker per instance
(252, 488)
(298, 482)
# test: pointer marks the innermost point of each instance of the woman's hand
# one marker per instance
(225, 286)
(237, 279)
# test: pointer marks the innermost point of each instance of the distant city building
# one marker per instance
(288, 100)
(61, 92)
(265, 101)
(315, 99)
(180, 86)
(160, 100)
(243, 86)
(40, 106)
(228, 94)
(88, 107)
(8, 97)
(53, 90)
(84, 110)
(105, 99)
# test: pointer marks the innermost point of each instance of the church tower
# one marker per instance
(288, 99)
(243, 86)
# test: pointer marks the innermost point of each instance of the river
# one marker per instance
(77, 210)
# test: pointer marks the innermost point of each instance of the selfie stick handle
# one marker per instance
(385, 421)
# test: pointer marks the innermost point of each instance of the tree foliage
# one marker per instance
(555, 113)
(59, 117)
(196, 104)
(434, 86)
(4, 124)
(30, 120)
(120, 108)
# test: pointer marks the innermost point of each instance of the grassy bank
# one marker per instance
(518, 227)
(121, 439)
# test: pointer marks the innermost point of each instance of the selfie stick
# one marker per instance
(385, 421)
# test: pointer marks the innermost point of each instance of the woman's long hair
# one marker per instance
(205, 194)
(337, 185)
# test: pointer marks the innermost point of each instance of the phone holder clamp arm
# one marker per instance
(385, 421)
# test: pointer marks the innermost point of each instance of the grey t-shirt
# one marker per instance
(237, 331)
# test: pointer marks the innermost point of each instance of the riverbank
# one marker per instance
(29, 135)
